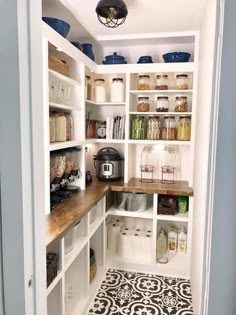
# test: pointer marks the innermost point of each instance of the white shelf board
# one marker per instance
(62, 107)
(163, 142)
(64, 145)
(134, 214)
(71, 256)
(88, 141)
(63, 78)
(54, 282)
(105, 103)
(95, 225)
(180, 217)
(161, 113)
(176, 266)
(161, 92)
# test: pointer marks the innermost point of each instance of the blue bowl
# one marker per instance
(77, 45)
(176, 57)
(59, 26)
(145, 59)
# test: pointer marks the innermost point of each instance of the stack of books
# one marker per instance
(115, 127)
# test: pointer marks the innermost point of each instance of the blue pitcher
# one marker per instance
(87, 49)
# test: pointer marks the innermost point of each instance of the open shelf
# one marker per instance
(148, 214)
(163, 142)
(63, 78)
(54, 282)
(142, 92)
(180, 217)
(64, 145)
(88, 141)
(176, 266)
(62, 107)
(105, 103)
(54, 301)
(160, 113)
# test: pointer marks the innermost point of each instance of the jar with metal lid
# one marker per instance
(143, 104)
(161, 82)
(184, 128)
(182, 82)
(162, 104)
(181, 103)
(153, 128)
(144, 82)
(60, 128)
(168, 131)
(117, 90)
(88, 88)
(100, 90)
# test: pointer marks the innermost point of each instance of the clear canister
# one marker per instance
(52, 128)
(88, 88)
(161, 82)
(153, 128)
(117, 90)
(181, 103)
(182, 82)
(69, 127)
(162, 104)
(60, 128)
(138, 128)
(64, 94)
(143, 104)
(184, 128)
(168, 131)
(144, 82)
(100, 90)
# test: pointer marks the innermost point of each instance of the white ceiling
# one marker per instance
(145, 16)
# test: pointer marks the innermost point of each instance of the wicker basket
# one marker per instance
(52, 267)
(58, 66)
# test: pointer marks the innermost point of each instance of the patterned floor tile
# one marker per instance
(133, 293)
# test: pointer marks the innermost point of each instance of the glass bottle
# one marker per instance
(184, 128)
(182, 82)
(144, 82)
(168, 131)
(100, 90)
(117, 90)
(161, 82)
(162, 253)
(147, 166)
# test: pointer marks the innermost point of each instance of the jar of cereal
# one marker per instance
(181, 103)
(144, 82)
(143, 104)
(182, 82)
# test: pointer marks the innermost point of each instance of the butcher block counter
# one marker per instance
(72, 210)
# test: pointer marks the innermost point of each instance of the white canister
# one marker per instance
(100, 90)
(117, 90)
(60, 128)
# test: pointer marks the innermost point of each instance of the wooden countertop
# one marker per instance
(70, 212)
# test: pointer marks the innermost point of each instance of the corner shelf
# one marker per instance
(180, 217)
(62, 107)
(148, 214)
(163, 142)
(54, 282)
(160, 113)
(63, 78)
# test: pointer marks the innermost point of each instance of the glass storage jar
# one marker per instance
(168, 131)
(147, 166)
(162, 104)
(143, 104)
(169, 163)
(100, 90)
(184, 128)
(69, 127)
(64, 93)
(138, 128)
(182, 82)
(88, 88)
(181, 103)
(144, 82)
(52, 128)
(60, 128)
(54, 88)
(161, 82)
(153, 128)
(117, 90)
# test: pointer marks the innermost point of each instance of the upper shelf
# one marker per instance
(105, 103)
(63, 77)
(162, 92)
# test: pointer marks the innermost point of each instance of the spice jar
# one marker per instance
(100, 90)
(52, 128)
(181, 104)
(161, 82)
(138, 126)
(184, 128)
(153, 128)
(162, 104)
(143, 104)
(69, 127)
(143, 82)
(182, 82)
(88, 88)
(117, 90)
(60, 128)
(168, 131)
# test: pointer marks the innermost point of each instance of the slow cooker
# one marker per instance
(108, 164)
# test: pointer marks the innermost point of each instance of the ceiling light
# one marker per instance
(111, 13)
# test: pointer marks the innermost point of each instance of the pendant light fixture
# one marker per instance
(111, 13)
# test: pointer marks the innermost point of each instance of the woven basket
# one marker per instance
(58, 66)
(52, 267)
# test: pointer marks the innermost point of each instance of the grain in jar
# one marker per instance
(144, 82)
(182, 82)
(161, 82)
(52, 128)
(117, 90)
(69, 127)
(162, 104)
(184, 128)
(168, 131)
(60, 128)
(100, 90)
(181, 103)
(143, 104)
(153, 128)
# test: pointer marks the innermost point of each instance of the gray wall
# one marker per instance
(222, 297)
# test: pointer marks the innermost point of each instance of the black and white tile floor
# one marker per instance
(134, 293)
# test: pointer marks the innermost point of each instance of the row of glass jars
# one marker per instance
(59, 92)
(61, 127)
(168, 129)
(162, 82)
(162, 104)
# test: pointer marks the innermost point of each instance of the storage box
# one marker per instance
(167, 205)
(58, 66)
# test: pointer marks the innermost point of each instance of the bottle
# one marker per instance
(182, 241)
(172, 240)
(162, 254)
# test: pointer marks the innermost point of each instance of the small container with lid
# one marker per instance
(181, 103)
(100, 90)
(184, 128)
(144, 82)
(168, 131)
(88, 88)
(161, 82)
(182, 82)
(117, 90)
(162, 104)
(153, 128)
(143, 104)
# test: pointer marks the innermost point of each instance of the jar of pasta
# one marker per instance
(143, 104)
(168, 131)
(182, 82)
(153, 128)
(184, 128)
(144, 82)
(181, 103)
(161, 82)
